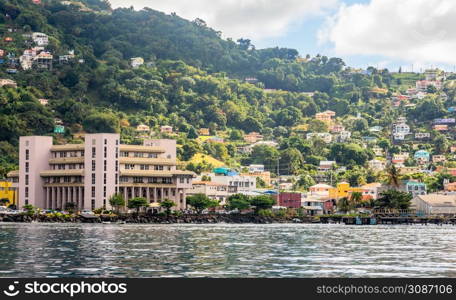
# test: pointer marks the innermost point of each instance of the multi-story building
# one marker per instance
(213, 190)
(88, 174)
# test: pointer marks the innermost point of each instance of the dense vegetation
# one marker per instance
(193, 78)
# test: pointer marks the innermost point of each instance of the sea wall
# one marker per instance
(157, 219)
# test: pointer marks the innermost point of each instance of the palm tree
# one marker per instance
(393, 176)
(356, 198)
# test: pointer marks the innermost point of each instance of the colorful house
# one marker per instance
(7, 192)
(422, 156)
(342, 190)
(414, 187)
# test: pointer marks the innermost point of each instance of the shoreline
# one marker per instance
(157, 219)
(224, 218)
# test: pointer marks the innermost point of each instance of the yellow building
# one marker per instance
(342, 190)
(7, 192)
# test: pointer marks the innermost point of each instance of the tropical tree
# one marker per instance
(262, 202)
(356, 198)
(201, 202)
(392, 174)
(117, 201)
(70, 206)
(238, 201)
(137, 203)
(344, 204)
(167, 205)
(394, 199)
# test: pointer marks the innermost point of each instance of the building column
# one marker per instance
(125, 194)
(54, 198)
(155, 194)
(161, 194)
(48, 198)
(148, 194)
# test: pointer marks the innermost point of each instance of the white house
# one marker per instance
(136, 61)
(41, 39)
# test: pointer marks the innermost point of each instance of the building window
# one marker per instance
(104, 178)
(144, 167)
(105, 141)
(93, 178)
(138, 154)
(104, 191)
(152, 155)
(27, 154)
(105, 165)
(26, 192)
(26, 167)
(181, 179)
(158, 168)
(123, 179)
(105, 152)
(94, 151)
(117, 152)
(138, 180)
(93, 141)
(117, 166)
(93, 165)
(26, 179)
(93, 204)
(117, 142)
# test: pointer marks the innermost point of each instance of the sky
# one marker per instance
(411, 34)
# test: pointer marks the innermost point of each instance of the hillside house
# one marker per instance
(43, 102)
(325, 117)
(43, 61)
(422, 135)
(440, 127)
(438, 158)
(8, 82)
(376, 165)
(371, 191)
(326, 165)
(142, 128)
(414, 187)
(204, 131)
(135, 62)
(422, 85)
(253, 137)
(337, 128)
(41, 39)
(422, 156)
(377, 151)
(166, 129)
(401, 128)
(325, 136)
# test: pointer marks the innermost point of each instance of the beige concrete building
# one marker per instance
(50, 176)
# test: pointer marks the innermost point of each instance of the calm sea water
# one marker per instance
(301, 250)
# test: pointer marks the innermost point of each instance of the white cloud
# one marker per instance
(254, 19)
(411, 30)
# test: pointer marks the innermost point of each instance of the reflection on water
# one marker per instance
(295, 250)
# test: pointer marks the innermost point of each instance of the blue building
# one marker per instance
(422, 156)
(414, 187)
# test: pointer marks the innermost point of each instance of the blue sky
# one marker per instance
(379, 33)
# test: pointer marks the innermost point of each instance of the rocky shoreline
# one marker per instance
(157, 219)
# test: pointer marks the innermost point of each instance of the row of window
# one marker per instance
(63, 154)
(147, 167)
(138, 154)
